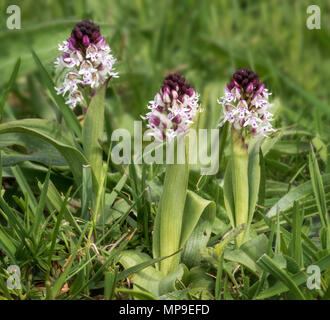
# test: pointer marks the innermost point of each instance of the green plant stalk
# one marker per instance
(240, 182)
(92, 133)
(170, 213)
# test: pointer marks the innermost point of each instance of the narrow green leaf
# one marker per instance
(110, 279)
(229, 195)
(139, 294)
(62, 279)
(296, 243)
(266, 263)
(55, 233)
(25, 187)
(87, 193)
(13, 220)
(41, 205)
(9, 87)
(319, 194)
(56, 200)
(54, 134)
(0, 168)
(197, 222)
(299, 279)
(253, 176)
(139, 267)
(7, 244)
(298, 193)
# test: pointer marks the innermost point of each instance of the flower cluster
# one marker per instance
(245, 104)
(173, 108)
(86, 61)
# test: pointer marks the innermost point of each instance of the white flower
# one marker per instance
(74, 98)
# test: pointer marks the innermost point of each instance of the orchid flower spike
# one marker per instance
(85, 62)
(245, 104)
(173, 109)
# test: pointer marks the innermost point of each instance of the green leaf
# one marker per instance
(87, 193)
(147, 277)
(295, 194)
(25, 187)
(267, 264)
(55, 234)
(62, 278)
(296, 242)
(249, 252)
(54, 134)
(229, 195)
(14, 220)
(299, 278)
(138, 294)
(319, 193)
(7, 244)
(4, 95)
(41, 205)
(253, 176)
(31, 149)
(110, 279)
(56, 200)
(197, 222)
(137, 268)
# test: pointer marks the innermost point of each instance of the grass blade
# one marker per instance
(319, 194)
(10, 85)
(267, 264)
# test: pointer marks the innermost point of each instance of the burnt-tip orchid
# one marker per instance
(245, 104)
(85, 63)
(173, 109)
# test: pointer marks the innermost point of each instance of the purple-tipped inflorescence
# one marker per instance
(85, 63)
(245, 104)
(173, 109)
(84, 34)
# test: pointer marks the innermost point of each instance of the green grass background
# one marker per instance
(206, 40)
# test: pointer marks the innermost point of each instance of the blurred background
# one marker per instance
(205, 40)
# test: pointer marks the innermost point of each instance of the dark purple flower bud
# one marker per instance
(249, 88)
(178, 83)
(191, 91)
(79, 34)
(246, 81)
(83, 34)
(85, 41)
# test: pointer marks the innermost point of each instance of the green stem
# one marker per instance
(167, 233)
(92, 133)
(240, 183)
